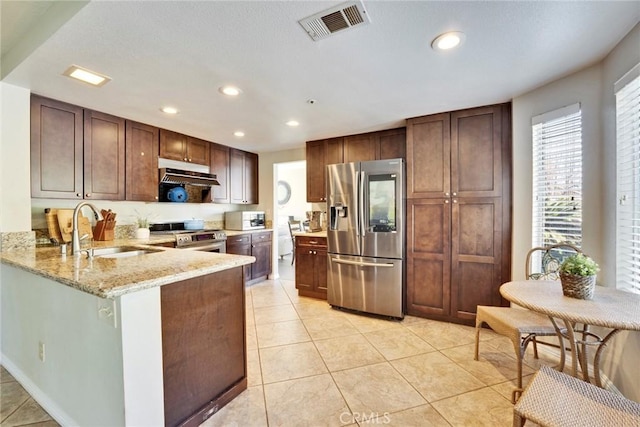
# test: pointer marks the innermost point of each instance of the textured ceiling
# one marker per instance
(364, 79)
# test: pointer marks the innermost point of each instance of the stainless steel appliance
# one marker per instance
(244, 220)
(200, 240)
(365, 236)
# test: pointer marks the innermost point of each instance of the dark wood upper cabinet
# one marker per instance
(142, 162)
(320, 154)
(104, 156)
(360, 148)
(243, 175)
(183, 148)
(198, 151)
(391, 144)
(220, 167)
(56, 149)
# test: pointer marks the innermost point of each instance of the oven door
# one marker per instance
(220, 247)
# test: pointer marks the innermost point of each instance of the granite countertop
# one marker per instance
(113, 277)
(322, 233)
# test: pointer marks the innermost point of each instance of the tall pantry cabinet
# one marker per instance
(458, 211)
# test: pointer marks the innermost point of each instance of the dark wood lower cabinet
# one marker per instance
(258, 245)
(311, 266)
(203, 345)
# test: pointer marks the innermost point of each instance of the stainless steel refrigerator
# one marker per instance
(365, 236)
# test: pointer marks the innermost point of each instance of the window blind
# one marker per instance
(628, 186)
(557, 177)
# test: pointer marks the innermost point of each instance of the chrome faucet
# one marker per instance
(75, 236)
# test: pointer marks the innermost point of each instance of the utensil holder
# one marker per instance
(104, 230)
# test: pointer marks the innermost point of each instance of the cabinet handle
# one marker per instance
(87, 195)
(455, 194)
(156, 197)
(446, 201)
(142, 153)
(313, 242)
(446, 194)
(455, 201)
(78, 194)
(189, 159)
(185, 159)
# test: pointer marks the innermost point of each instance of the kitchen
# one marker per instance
(19, 209)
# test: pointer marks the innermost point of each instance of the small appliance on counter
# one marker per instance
(316, 219)
(244, 220)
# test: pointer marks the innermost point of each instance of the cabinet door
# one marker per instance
(476, 255)
(476, 152)
(220, 167)
(262, 252)
(142, 162)
(428, 157)
(320, 270)
(428, 257)
(241, 245)
(251, 178)
(305, 271)
(104, 156)
(316, 171)
(56, 149)
(173, 145)
(198, 151)
(236, 176)
(359, 148)
(391, 144)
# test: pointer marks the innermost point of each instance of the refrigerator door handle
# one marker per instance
(361, 224)
(363, 264)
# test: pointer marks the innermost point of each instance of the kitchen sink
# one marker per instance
(121, 252)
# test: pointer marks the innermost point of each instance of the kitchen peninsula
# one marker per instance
(152, 339)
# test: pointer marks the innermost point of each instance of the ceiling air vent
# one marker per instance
(338, 18)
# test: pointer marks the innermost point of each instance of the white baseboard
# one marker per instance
(52, 408)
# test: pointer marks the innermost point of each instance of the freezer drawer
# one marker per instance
(371, 285)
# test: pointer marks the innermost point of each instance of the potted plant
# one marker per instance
(578, 276)
(142, 231)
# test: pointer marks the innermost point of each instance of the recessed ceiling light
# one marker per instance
(239, 133)
(87, 76)
(230, 90)
(293, 123)
(448, 40)
(169, 110)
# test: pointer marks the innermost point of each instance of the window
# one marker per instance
(557, 177)
(628, 181)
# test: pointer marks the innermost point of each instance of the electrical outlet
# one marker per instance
(107, 312)
(41, 353)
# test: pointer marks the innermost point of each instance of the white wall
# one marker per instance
(15, 134)
(295, 174)
(593, 88)
(94, 374)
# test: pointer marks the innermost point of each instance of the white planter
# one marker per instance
(142, 233)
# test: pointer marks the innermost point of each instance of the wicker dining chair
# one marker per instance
(520, 325)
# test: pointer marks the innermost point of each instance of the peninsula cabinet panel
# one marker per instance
(203, 345)
(104, 156)
(141, 180)
(428, 257)
(428, 156)
(56, 149)
(220, 167)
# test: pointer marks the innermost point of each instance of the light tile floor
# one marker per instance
(310, 365)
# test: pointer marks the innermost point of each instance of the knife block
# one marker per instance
(104, 230)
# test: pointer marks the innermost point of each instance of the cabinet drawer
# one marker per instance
(311, 241)
(261, 237)
(240, 239)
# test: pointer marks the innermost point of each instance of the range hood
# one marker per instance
(179, 176)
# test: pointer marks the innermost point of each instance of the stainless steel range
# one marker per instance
(193, 240)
